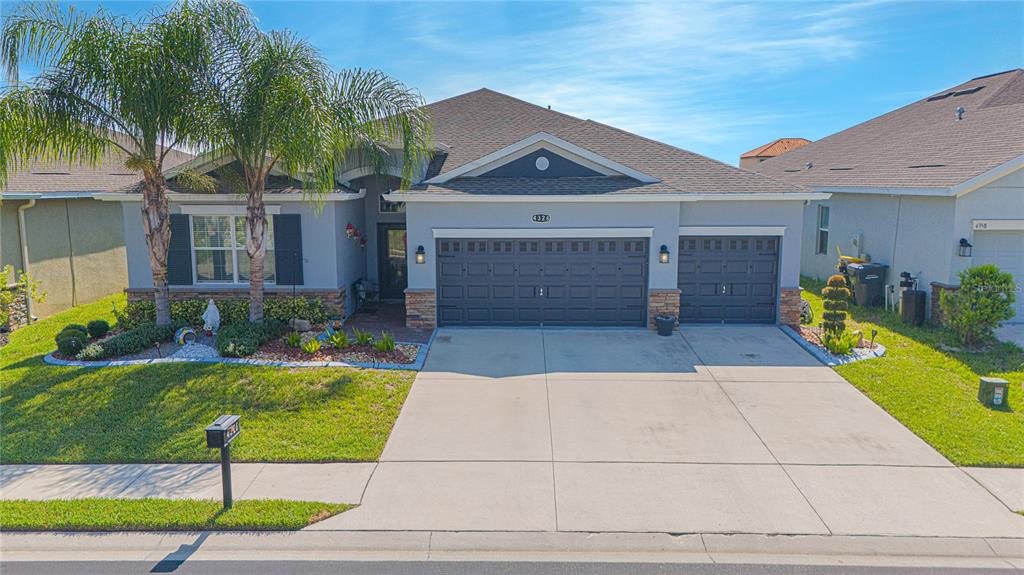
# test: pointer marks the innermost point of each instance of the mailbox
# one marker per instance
(223, 431)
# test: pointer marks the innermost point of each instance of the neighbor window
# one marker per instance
(821, 246)
(218, 245)
(387, 207)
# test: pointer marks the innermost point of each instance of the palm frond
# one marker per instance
(196, 182)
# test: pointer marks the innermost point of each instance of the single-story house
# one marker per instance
(52, 226)
(523, 216)
(931, 189)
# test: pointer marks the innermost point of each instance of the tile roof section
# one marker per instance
(926, 134)
(108, 176)
(776, 148)
(481, 122)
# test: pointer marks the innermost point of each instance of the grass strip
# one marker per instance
(162, 515)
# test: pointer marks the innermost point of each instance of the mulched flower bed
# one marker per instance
(813, 335)
(278, 350)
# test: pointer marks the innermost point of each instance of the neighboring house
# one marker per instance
(909, 187)
(770, 150)
(52, 226)
(523, 216)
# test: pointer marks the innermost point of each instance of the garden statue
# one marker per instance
(211, 318)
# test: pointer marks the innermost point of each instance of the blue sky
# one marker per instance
(715, 78)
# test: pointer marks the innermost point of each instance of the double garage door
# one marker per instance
(549, 282)
(602, 281)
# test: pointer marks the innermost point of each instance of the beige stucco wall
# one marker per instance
(75, 238)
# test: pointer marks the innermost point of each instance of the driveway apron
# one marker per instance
(716, 430)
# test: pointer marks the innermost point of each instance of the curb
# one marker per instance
(417, 365)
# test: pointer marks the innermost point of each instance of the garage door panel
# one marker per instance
(728, 279)
(1005, 249)
(575, 282)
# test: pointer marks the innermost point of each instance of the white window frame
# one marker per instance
(232, 216)
(820, 249)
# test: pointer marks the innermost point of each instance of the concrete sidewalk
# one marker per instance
(330, 482)
(928, 552)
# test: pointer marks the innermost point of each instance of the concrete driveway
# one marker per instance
(719, 429)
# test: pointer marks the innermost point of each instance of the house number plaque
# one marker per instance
(541, 218)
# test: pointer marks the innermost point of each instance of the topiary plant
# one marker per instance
(70, 342)
(984, 300)
(837, 298)
(98, 328)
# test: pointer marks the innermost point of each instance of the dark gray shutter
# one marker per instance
(288, 249)
(179, 252)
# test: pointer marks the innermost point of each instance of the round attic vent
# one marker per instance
(542, 163)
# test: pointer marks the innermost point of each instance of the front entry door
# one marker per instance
(392, 264)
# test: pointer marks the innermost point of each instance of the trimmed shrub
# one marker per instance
(75, 330)
(243, 339)
(135, 314)
(98, 328)
(129, 342)
(188, 312)
(836, 302)
(385, 343)
(284, 309)
(984, 300)
(232, 310)
(70, 342)
(76, 327)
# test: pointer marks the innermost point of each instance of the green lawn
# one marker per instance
(162, 515)
(934, 392)
(157, 413)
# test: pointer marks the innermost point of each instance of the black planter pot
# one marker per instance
(665, 324)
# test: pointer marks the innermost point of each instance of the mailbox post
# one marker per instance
(219, 435)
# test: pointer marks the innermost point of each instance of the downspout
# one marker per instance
(23, 236)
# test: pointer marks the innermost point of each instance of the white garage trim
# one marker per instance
(224, 210)
(623, 198)
(541, 232)
(997, 225)
(732, 230)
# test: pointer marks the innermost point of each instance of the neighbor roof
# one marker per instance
(479, 123)
(921, 145)
(56, 177)
(776, 148)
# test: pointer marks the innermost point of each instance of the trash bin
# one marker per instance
(868, 282)
(665, 324)
(912, 307)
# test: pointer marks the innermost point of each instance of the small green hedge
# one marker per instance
(129, 342)
(234, 310)
(243, 339)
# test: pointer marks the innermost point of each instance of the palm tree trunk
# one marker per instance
(156, 224)
(256, 226)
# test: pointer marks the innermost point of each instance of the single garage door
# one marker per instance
(1006, 251)
(728, 279)
(549, 282)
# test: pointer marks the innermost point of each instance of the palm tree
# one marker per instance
(110, 86)
(276, 104)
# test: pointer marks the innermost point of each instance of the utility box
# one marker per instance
(912, 306)
(992, 391)
(868, 282)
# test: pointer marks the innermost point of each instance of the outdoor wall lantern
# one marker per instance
(421, 255)
(965, 248)
(663, 254)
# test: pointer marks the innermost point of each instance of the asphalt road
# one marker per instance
(455, 568)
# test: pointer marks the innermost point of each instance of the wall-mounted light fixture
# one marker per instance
(663, 254)
(421, 255)
(965, 248)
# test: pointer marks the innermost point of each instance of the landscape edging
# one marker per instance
(827, 358)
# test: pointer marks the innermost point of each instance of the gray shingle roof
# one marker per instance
(545, 186)
(484, 121)
(108, 176)
(926, 134)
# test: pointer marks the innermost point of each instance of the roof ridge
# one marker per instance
(996, 74)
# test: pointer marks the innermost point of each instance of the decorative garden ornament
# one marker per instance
(211, 318)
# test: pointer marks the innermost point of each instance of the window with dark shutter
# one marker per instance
(288, 248)
(179, 252)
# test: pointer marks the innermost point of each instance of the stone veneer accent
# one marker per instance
(789, 306)
(332, 299)
(661, 302)
(19, 309)
(936, 307)
(420, 308)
